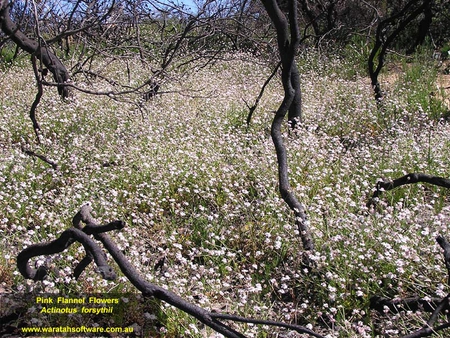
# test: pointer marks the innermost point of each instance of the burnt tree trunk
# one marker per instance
(295, 110)
(42, 52)
(424, 27)
(387, 31)
(288, 38)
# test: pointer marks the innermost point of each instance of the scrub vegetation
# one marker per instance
(199, 189)
(154, 126)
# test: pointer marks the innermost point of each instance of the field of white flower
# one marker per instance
(196, 187)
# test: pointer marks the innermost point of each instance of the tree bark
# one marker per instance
(295, 110)
(424, 27)
(387, 31)
(43, 53)
(288, 37)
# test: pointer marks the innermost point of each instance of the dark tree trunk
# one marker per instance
(43, 53)
(424, 27)
(312, 17)
(387, 31)
(288, 38)
(295, 110)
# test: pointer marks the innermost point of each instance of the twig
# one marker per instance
(255, 105)
(398, 305)
(41, 157)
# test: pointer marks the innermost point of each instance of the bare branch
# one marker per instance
(261, 92)
(446, 247)
(436, 306)
(397, 305)
(427, 331)
(54, 65)
(37, 99)
(93, 252)
(383, 39)
(41, 157)
(411, 178)
(67, 238)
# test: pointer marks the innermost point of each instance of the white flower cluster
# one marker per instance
(198, 191)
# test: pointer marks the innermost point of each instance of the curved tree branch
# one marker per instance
(429, 328)
(288, 37)
(81, 234)
(252, 109)
(383, 39)
(60, 244)
(37, 99)
(41, 157)
(43, 53)
(411, 178)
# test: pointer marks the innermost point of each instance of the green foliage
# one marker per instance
(445, 51)
(356, 52)
(7, 54)
(9, 57)
(418, 86)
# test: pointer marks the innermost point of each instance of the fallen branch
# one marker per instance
(41, 157)
(411, 178)
(60, 244)
(436, 306)
(427, 331)
(80, 233)
(397, 305)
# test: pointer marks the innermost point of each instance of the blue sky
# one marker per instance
(189, 3)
